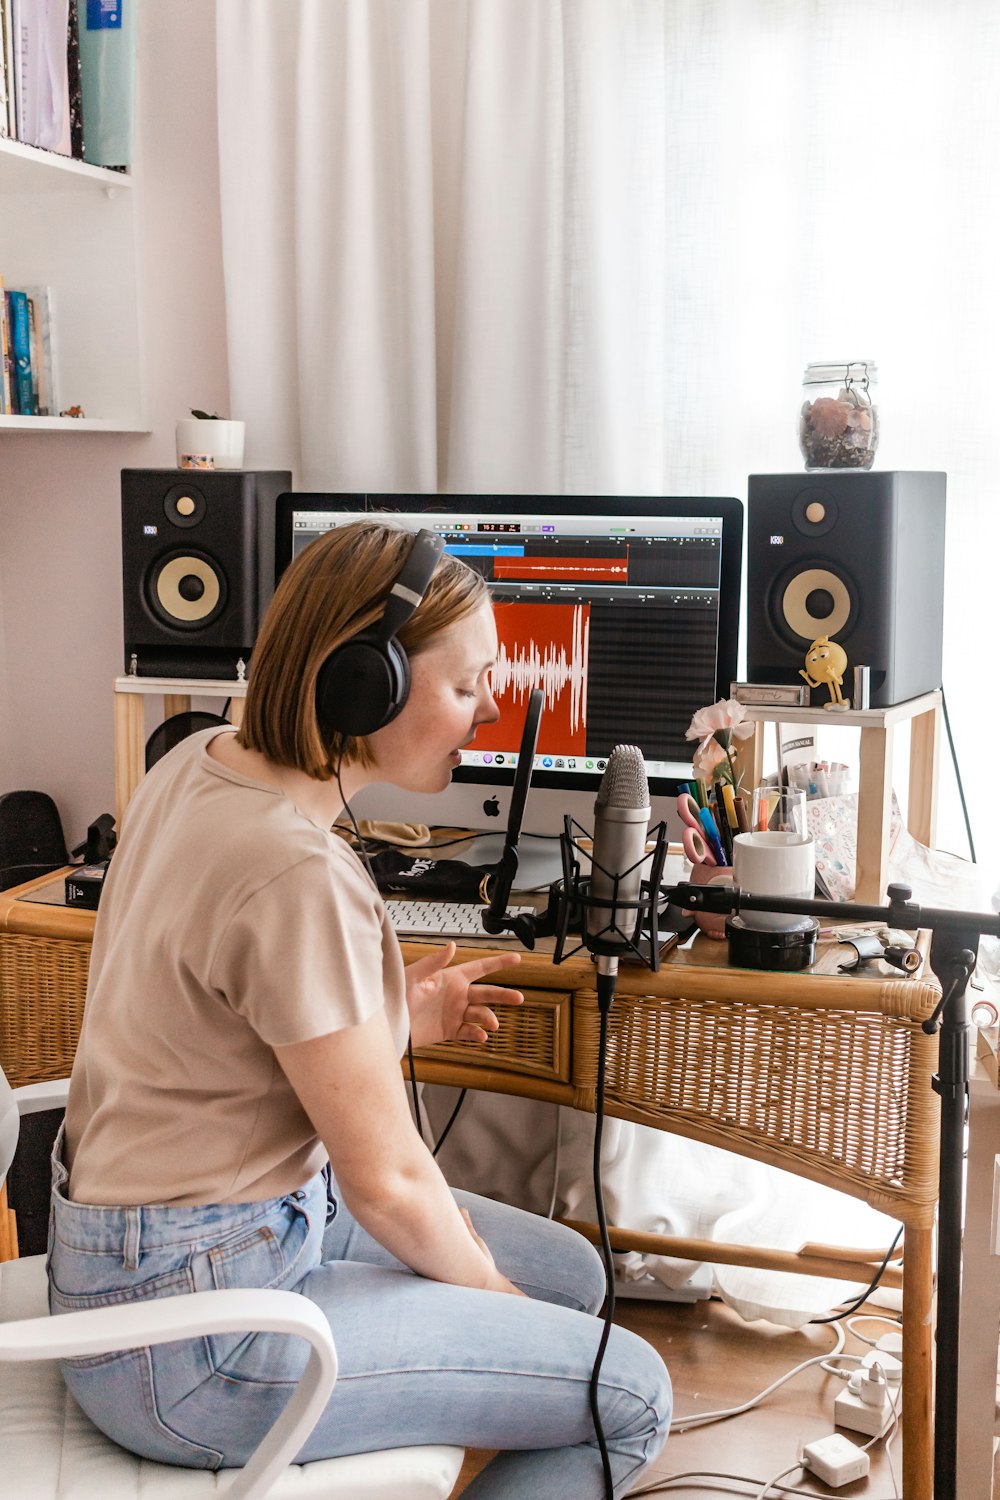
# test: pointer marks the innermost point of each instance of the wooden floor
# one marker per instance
(715, 1359)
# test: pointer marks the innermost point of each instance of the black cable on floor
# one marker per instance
(847, 1311)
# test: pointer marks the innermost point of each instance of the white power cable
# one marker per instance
(766, 1489)
(669, 1480)
(702, 1419)
(871, 1318)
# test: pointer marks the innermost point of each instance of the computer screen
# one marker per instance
(624, 611)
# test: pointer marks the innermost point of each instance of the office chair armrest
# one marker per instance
(133, 1325)
(32, 1098)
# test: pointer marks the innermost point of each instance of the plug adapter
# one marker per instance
(850, 1411)
(891, 1367)
(891, 1343)
(835, 1460)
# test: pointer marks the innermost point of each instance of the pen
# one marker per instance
(712, 835)
(742, 816)
(729, 802)
(722, 823)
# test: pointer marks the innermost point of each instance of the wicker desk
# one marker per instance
(821, 1074)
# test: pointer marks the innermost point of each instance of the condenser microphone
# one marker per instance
(621, 823)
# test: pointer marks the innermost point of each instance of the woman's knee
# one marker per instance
(637, 1396)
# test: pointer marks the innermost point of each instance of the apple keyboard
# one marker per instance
(450, 919)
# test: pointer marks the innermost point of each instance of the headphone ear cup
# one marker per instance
(362, 686)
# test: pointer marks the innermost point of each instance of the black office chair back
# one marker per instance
(32, 842)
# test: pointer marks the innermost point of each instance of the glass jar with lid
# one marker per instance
(838, 423)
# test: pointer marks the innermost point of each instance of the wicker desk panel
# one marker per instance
(534, 1039)
(838, 1095)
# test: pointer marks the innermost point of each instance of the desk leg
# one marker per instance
(874, 809)
(979, 1308)
(130, 748)
(925, 743)
(917, 1422)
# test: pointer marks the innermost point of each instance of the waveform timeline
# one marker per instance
(621, 636)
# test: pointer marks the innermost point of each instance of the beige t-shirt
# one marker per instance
(229, 924)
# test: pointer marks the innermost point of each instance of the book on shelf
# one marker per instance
(107, 75)
(41, 32)
(43, 379)
(7, 124)
(6, 398)
(28, 386)
(20, 343)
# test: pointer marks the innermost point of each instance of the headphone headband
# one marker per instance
(411, 585)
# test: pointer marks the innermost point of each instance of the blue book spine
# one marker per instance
(20, 340)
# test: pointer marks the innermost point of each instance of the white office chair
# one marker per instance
(50, 1451)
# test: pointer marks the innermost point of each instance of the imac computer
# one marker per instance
(624, 611)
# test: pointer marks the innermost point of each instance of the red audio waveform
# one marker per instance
(544, 646)
(557, 569)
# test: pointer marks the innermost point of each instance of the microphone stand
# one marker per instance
(954, 946)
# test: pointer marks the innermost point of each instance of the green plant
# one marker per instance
(206, 416)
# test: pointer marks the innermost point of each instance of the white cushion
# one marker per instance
(50, 1451)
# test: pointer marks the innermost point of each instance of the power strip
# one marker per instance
(850, 1411)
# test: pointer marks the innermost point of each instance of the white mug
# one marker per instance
(774, 864)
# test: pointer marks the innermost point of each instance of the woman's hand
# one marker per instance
(499, 1282)
(447, 1005)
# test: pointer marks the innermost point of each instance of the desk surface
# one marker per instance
(41, 908)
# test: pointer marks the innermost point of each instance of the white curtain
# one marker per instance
(589, 246)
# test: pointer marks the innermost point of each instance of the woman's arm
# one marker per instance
(351, 1086)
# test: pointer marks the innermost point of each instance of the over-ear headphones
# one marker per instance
(364, 683)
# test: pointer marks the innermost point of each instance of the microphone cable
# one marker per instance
(605, 996)
(363, 851)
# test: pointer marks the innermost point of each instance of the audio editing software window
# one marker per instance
(615, 618)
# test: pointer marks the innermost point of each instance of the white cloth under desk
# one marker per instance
(504, 1147)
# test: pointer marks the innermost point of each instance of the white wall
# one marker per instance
(60, 543)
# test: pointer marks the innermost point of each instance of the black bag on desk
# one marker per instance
(398, 874)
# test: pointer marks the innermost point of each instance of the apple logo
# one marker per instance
(491, 807)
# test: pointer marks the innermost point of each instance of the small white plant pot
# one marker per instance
(220, 441)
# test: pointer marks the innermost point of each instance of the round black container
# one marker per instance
(760, 948)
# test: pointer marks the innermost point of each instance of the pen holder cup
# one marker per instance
(712, 924)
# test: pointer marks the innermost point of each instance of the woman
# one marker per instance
(237, 1114)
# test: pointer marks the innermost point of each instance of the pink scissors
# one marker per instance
(695, 845)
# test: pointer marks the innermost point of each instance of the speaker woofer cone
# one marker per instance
(186, 590)
(815, 588)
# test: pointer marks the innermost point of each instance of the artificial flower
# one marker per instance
(715, 727)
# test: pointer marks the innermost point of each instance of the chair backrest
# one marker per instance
(32, 841)
(10, 1122)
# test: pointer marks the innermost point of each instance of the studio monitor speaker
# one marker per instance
(197, 567)
(858, 557)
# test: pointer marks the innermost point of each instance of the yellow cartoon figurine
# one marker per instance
(826, 662)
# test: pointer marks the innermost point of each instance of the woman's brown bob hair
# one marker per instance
(334, 589)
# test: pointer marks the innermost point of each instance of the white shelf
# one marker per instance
(71, 226)
(27, 169)
(68, 424)
(863, 718)
(190, 687)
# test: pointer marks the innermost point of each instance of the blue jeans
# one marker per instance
(420, 1361)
